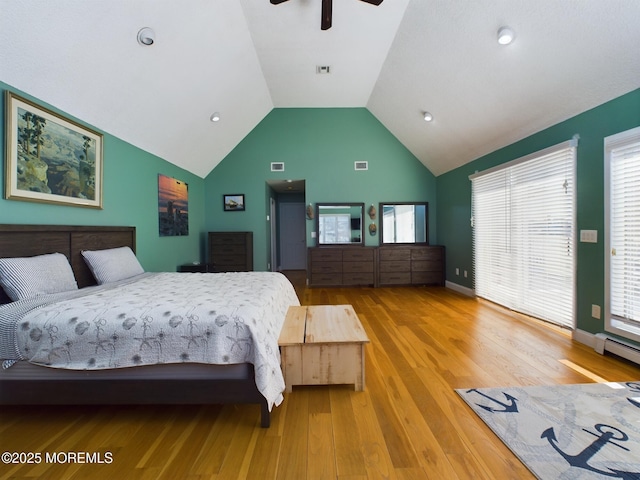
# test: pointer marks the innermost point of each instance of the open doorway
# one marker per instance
(288, 242)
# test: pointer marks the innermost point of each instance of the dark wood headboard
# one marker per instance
(30, 240)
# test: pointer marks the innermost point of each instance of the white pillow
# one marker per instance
(112, 264)
(27, 277)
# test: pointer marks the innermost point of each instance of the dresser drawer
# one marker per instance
(326, 255)
(225, 260)
(357, 255)
(433, 254)
(326, 278)
(358, 278)
(426, 278)
(326, 267)
(394, 254)
(395, 278)
(426, 266)
(228, 239)
(223, 249)
(352, 267)
(396, 266)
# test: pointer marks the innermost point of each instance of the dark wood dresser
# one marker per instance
(342, 266)
(231, 251)
(411, 265)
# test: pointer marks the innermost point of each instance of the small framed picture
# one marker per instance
(233, 203)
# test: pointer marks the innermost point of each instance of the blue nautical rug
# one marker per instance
(589, 431)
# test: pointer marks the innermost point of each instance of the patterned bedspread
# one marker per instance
(221, 318)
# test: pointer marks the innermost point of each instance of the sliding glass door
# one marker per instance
(523, 234)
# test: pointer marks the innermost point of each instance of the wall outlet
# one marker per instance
(457, 271)
(589, 236)
(595, 311)
(466, 274)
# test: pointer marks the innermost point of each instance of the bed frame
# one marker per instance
(27, 384)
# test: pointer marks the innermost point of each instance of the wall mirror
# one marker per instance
(339, 223)
(404, 223)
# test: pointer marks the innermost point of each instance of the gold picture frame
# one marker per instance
(50, 158)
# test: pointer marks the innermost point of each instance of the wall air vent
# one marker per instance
(277, 166)
(361, 165)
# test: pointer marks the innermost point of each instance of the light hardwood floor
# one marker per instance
(408, 423)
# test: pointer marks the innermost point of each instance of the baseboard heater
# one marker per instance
(617, 346)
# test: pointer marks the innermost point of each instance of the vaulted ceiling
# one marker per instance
(242, 58)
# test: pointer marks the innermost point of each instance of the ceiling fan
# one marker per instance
(325, 23)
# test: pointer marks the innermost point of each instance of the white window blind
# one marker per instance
(334, 228)
(622, 240)
(523, 234)
(399, 224)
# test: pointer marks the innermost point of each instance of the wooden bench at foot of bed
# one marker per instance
(322, 345)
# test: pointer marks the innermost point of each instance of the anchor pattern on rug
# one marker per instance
(634, 387)
(512, 406)
(584, 457)
(605, 436)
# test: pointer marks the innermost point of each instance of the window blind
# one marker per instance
(399, 224)
(335, 228)
(622, 197)
(523, 234)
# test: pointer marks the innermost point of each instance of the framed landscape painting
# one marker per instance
(233, 202)
(50, 158)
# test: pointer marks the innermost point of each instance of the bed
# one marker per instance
(137, 346)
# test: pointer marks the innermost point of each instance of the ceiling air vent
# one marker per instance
(362, 165)
(277, 166)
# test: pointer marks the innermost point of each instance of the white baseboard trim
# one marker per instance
(602, 343)
(586, 338)
(469, 292)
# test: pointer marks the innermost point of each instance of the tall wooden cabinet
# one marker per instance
(231, 251)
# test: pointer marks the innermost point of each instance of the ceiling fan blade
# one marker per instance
(327, 5)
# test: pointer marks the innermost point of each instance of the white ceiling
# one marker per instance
(246, 57)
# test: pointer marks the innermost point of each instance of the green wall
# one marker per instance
(454, 197)
(130, 197)
(319, 146)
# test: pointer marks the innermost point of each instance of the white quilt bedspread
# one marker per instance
(221, 318)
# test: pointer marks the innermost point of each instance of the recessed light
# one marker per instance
(215, 117)
(146, 37)
(505, 35)
(427, 117)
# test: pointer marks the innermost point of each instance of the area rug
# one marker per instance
(589, 431)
